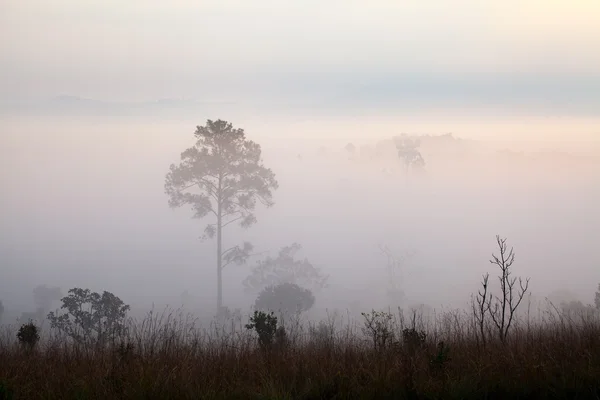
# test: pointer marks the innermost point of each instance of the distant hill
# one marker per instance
(67, 105)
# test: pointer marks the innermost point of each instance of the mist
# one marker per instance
(98, 100)
(83, 205)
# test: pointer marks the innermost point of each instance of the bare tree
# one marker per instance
(223, 176)
(502, 308)
(479, 307)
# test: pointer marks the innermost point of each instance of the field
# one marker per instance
(555, 355)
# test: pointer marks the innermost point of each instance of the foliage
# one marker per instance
(285, 298)
(265, 326)
(285, 269)
(378, 325)
(223, 176)
(28, 335)
(90, 316)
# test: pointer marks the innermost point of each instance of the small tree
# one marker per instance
(265, 326)
(408, 152)
(502, 308)
(90, 316)
(222, 175)
(379, 325)
(28, 335)
(285, 298)
(285, 269)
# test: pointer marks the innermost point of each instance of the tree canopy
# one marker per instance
(285, 268)
(222, 175)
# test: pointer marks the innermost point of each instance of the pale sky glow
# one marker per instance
(501, 52)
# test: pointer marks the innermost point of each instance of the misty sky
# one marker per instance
(541, 55)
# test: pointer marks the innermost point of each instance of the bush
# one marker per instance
(378, 325)
(265, 326)
(285, 298)
(28, 335)
(90, 316)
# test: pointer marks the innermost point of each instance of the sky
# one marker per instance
(537, 55)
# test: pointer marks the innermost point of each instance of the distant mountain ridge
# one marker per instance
(76, 105)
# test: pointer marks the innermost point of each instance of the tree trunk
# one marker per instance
(219, 254)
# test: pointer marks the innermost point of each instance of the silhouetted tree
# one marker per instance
(501, 308)
(408, 152)
(222, 176)
(285, 299)
(285, 269)
(597, 299)
(90, 316)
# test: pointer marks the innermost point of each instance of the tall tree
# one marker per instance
(223, 176)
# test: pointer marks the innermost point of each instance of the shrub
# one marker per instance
(379, 326)
(265, 326)
(90, 316)
(28, 335)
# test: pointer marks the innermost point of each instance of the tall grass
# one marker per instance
(170, 355)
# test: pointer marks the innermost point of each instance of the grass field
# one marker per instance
(557, 356)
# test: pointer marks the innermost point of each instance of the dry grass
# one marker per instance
(170, 357)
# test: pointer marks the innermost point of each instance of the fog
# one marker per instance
(83, 205)
(98, 99)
